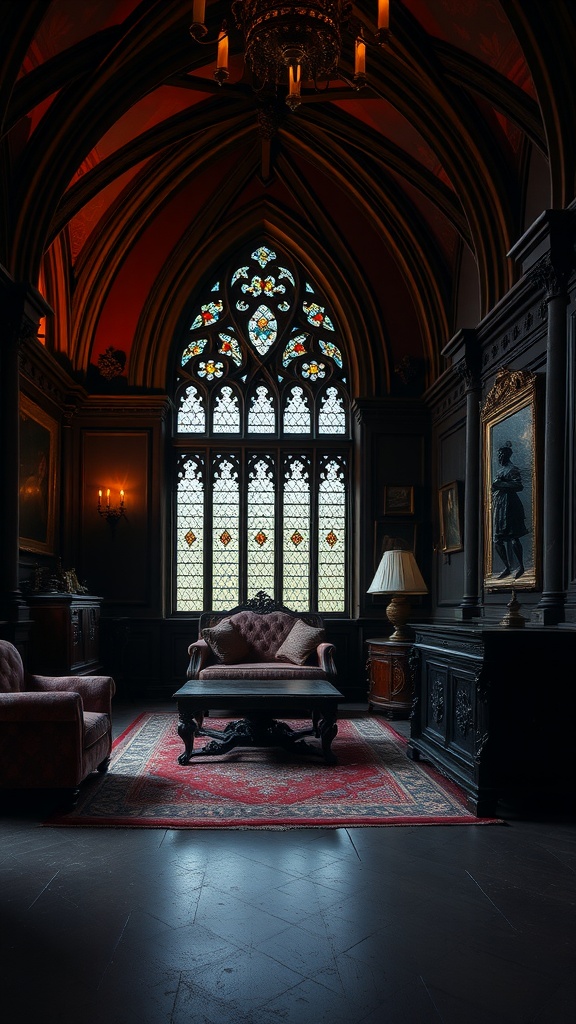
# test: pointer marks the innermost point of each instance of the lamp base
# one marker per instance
(397, 612)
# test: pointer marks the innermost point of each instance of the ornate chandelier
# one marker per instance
(292, 42)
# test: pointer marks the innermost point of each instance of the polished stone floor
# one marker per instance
(414, 925)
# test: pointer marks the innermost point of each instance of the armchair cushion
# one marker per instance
(301, 641)
(226, 642)
(54, 731)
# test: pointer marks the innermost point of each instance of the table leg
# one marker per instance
(189, 726)
(328, 729)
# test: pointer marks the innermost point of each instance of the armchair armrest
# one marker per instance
(96, 691)
(325, 652)
(200, 653)
(58, 706)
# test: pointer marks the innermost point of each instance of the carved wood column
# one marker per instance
(547, 254)
(464, 352)
(21, 307)
(550, 609)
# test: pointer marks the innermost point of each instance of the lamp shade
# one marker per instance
(398, 573)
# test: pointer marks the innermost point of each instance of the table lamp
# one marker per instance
(398, 574)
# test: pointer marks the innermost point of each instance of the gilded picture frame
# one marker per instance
(399, 500)
(451, 539)
(510, 483)
(37, 488)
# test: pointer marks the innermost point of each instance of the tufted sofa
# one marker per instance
(54, 731)
(267, 641)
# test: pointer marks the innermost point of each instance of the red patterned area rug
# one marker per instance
(373, 783)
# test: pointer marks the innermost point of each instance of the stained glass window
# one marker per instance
(261, 414)
(262, 329)
(332, 414)
(230, 347)
(191, 414)
(226, 415)
(297, 418)
(296, 534)
(261, 525)
(225, 532)
(262, 497)
(190, 536)
(331, 535)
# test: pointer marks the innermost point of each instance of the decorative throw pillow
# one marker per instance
(226, 642)
(300, 642)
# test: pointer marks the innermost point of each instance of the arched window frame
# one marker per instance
(244, 361)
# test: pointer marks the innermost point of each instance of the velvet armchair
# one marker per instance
(54, 730)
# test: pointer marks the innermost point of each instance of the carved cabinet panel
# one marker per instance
(66, 634)
(477, 709)
(390, 680)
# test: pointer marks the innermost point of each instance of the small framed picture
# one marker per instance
(450, 518)
(399, 500)
(38, 447)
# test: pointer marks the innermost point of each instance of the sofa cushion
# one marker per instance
(226, 642)
(261, 670)
(300, 642)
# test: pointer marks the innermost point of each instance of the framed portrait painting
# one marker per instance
(511, 486)
(38, 447)
(450, 518)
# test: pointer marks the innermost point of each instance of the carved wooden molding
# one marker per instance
(507, 385)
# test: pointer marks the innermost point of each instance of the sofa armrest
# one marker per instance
(96, 691)
(325, 652)
(58, 706)
(200, 653)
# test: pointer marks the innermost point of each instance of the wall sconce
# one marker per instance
(111, 513)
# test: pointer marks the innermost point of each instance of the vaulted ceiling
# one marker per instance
(129, 174)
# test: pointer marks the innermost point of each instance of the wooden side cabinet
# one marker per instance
(66, 634)
(482, 694)
(390, 678)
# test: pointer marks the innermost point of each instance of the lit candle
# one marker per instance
(121, 499)
(108, 498)
(99, 499)
(198, 12)
(294, 80)
(360, 58)
(383, 15)
(222, 59)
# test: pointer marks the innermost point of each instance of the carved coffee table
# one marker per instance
(259, 700)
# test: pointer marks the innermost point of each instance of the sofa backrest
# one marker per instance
(265, 633)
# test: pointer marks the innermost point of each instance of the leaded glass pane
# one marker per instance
(313, 371)
(263, 255)
(332, 351)
(296, 534)
(210, 369)
(262, 328)
(295, 347)
(230, 348)
(226, 415)
(284, 273)
(332, 537)
(261, 414)
(261, 527)
(225, 533)
(195, 348)
(191, 414)
(208, 314)
(332, 415)
(297, 417)
(316, 315)
(190, 538)
(264, 286)
(239, 273)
